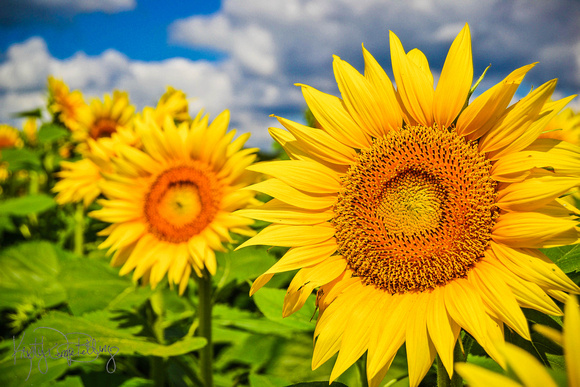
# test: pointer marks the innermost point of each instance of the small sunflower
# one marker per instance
(171, 203)
(9, 137)
(106, 117)
(68, 107)
(30, 130)
(416, 216)
(174, 104)
(80, 180)
(527, 369)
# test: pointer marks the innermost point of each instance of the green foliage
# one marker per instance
(25, 205)
(566, 257)
(51, 132)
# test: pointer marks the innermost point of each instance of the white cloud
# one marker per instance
(272, 44)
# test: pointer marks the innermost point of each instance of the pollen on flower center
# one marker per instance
(416, 210)
(181, 202)
(411, 203)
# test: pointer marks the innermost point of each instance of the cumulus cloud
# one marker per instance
(271, 44)
(211, 86)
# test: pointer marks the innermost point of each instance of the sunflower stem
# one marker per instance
(205, 307)
(157, 312)
(79, 232)
(442, 375)
(362, 370)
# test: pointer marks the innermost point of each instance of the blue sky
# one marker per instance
(246, 55)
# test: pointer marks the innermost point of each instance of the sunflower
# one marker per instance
(80, 180)
(106, 117)
(173, 103)
(416, 216)
(565, 126)
(68, 107)
(525, 367)
(170, 203)
(9, 137)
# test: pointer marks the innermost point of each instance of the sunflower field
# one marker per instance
(423, 234)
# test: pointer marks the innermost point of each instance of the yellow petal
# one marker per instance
(480, 115)
(477, 376)
(455, 81)
(572, 341)
(359, 98)
(527, 369)
(357, 330)
(534, 229)
(288, 236)
(516, 120)
(300, 174)
(498, 297)
(413, 85)
(304, 256)
(383, 86)
(292, 196)
(534, 193)
(443, 330)
(333, 117)
(320, 144)
(276, 211)
(420, 350)
(535, 267)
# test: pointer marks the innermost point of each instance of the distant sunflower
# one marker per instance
(529, 371)
(69, 107)
(80, 180)
(9, 137)
(171, 203)
(174, 104)
(106, 117)
(416, 217)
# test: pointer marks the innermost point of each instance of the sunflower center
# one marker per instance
(103, 127)
(182, 201)
(416, 210)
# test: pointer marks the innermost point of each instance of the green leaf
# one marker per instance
(270, 302)
(318, 384)
(6, 224)
(242, 265)
(51, 132)
(566, 257)
(17, 371)
(104, 339)
(267, 381)
(91, 284)
(71, 381)
(31, 204)
(29, 273)
(138, 382)
(247, 352)
(224, 316)
(18, 159)
(37, 113)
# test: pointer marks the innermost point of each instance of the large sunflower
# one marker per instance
(170, 203)
(416, 216)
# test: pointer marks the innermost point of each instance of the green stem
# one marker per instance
(205, 306)
(442, 375)
(156, 315)
(362, 370)
(79, 232)
(33, 190)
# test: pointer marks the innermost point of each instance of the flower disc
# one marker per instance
(416, 210)
(181, 202)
